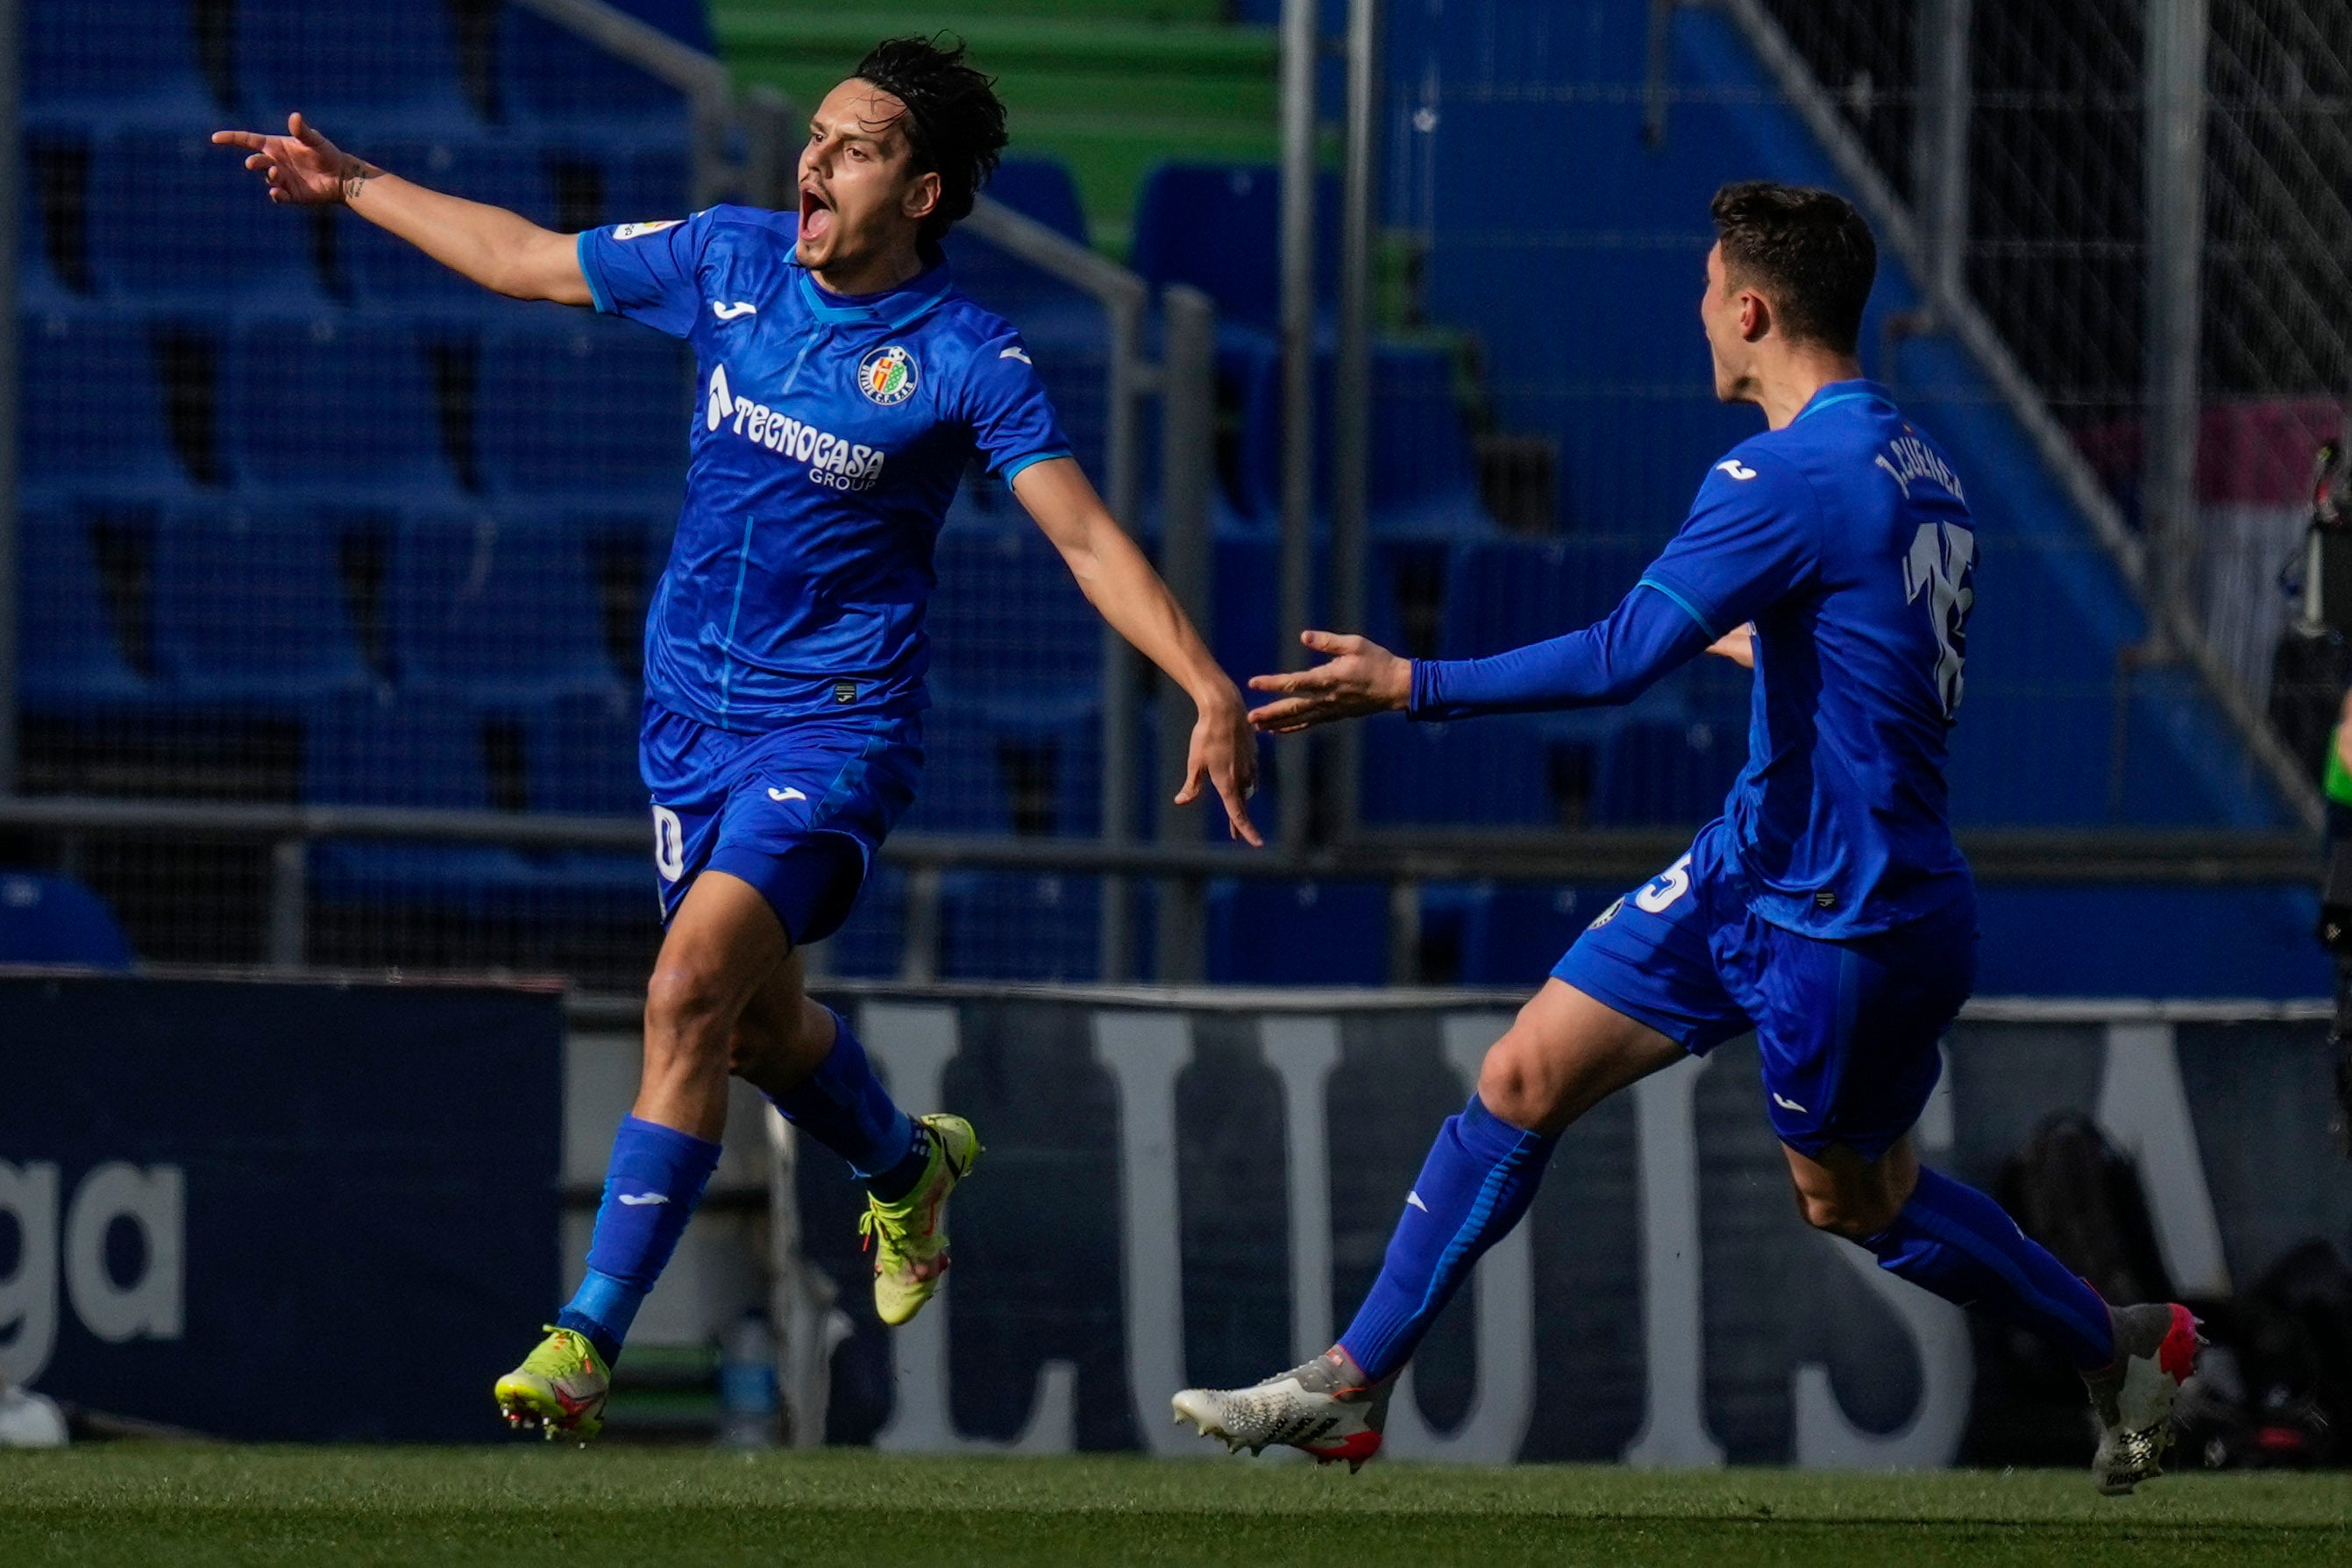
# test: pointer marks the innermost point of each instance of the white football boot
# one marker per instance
(2156, 1351)
(1323, 1408)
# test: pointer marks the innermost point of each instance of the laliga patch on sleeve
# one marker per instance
(639, 231)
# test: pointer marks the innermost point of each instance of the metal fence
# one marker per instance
(2148, 203)
(331, 570)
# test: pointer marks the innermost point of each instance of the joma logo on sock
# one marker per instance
(836, 463)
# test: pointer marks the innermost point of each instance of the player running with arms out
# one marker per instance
(1828, 909)
(846, 384)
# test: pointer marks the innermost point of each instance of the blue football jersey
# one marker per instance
(1845, 538)
(827, 439)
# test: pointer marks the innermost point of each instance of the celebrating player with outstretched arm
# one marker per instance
(1828, 909)
(846, 384)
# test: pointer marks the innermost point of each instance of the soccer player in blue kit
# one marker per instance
(844, 387)
(1828, 908)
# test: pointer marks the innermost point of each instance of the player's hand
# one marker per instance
(303, 168)
(1738, 645)
(1225, 753)
(1360, 678)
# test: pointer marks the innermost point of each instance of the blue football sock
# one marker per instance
(1480, 1177)
(842, 1106)
(651, 1186)
(1954, 1241)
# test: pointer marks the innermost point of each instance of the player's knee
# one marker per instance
(1512, 1085)
(685, 1010)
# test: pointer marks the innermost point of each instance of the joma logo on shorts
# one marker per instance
(836, 463)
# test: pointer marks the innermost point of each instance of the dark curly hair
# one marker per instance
(1809, 250)
(954, 121)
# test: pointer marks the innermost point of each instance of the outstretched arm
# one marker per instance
(494, 247)
(1614, 661)
(1119, 582)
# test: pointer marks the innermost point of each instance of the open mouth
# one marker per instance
(816, 215)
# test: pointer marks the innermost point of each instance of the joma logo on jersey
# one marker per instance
(836, 463)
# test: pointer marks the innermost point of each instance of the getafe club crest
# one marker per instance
(886, 376)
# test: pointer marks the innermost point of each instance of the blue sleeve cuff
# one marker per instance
(1684, 603)
(1008, 472)
(587, 256)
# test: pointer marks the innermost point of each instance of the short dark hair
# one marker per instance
(954, 121)
(1808, 250)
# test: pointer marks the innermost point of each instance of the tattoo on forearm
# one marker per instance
(356, 175)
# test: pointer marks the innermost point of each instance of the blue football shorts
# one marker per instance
(1849, 1031)
(797, 811)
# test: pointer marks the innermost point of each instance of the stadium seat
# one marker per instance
(1264, 933)
(1518, 931)
(556, 82)
(584, 408)
(423, 755)
(871, 943)
(334, 402)
(56, 921)
(1495, 772)
(95, 63)
(642, 184)
(1042, 189)
(92, 414)
(352, 70)
(1505, 593)
(1023, 765)
(377, 268)
(175, 219)
(1667, 772)
(72, 654)
(251, 607)
(1018, 926)
(1422, 478)
(1218, 228)
(1007, 616)
(495, 610)
(581, 756)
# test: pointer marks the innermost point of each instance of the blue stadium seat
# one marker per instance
(1018, 926)
(94, 64)
(419, 753)
(71, 657)
(642, 184)
(871, 943)
(1264, 933)
(92, 411)
(251, 607)
(334, 402)
(56, 921)
(495, 610)
(553, 80)
(1042, 189)
(1503, 934)
(352, 70)
(423, 755)
(174, 218)
(581, 407)
(378, 269)
(581, 756)
(1007, 616)
(1505, 593)
(1422, 478)
(1667, 771)
(1028, 764)
(1495, 772)
(1218, 228)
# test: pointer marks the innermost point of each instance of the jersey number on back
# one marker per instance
(1942, 564)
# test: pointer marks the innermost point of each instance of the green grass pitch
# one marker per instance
(147, 1506)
